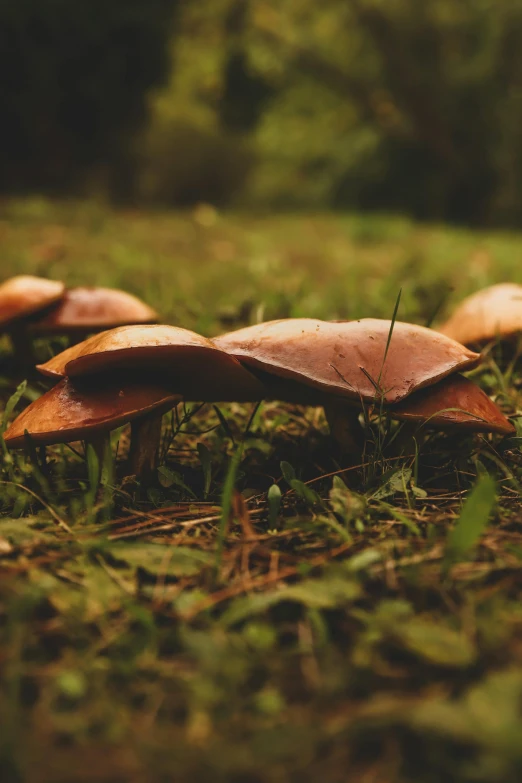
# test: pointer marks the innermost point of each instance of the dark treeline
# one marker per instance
(75, 76)
(367, 104)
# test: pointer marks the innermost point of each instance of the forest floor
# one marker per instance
(260, 614)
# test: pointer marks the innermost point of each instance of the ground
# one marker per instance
(259, 613)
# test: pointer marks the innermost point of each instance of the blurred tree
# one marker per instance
(437, 83)
(245, 93)
(195, 149)
(75, 78)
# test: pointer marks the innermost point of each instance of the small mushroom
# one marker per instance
(85, 410)
(22, 298)
(350, 359)
(83, 311)
(186, 362)
(455, 403)
(26, 295)
(490, 314)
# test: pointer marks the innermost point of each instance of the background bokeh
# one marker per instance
(394, 105)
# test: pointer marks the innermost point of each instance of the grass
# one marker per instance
(263, 613)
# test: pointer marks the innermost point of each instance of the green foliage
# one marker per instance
(180, 162)
(155, 559)
(348, 505)
(274, 504)
(473, 519)
(435, 643)
(10, 405)
(227, 504)
(325, 593)
(206, 466)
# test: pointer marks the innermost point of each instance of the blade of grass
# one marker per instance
(224, 424)
(11, 404)
(472, 522)
(226, 508)
(438, 307)
(390, 333)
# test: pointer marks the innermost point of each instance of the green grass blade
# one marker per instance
(472, 522)
(11, 404)
(226, 506)
(441, 302)
(390, 333)
(206, 466)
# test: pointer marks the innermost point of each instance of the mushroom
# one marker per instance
(343, 365)
(86, 411)
(494, 312)
(348, 359)
(82, 311)
(188, 363)
(33, 306)
(21, 299)
(455, 403)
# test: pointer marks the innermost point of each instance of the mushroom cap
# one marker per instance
(25, 295)
(344, 358)
(454, 403)
(491, 313)
(70, 412)
(191, 365)
(89, 309)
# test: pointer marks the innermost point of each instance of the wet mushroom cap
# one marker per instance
(26, 295)
(453, 403)
(69, 412)
(486, 315)
(192, 365)
(347, 359)
(87, 309)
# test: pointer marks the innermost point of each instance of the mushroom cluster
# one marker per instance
(36, 307)
(136, 373)
(129, 374)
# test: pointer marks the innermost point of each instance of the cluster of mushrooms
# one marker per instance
(33, 307)
(137, 372)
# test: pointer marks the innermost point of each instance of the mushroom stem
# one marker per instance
(22, 343)
(345, 427)
(144, 446)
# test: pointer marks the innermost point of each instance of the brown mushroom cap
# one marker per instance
(93, 309)
(344, 358)
(192, 365)
(26, 295)
(487, 315)
(453, 403)
(69, 412)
